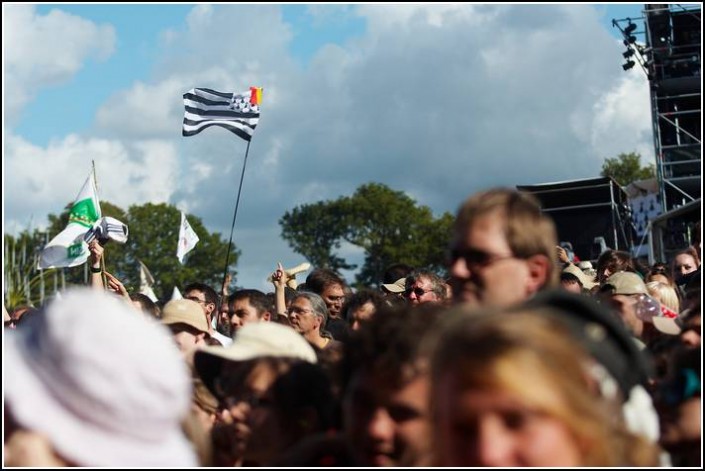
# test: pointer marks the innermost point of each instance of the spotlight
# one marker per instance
(628, 53)
(628, 65)
(630, 28)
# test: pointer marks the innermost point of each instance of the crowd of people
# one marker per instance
(521, 356)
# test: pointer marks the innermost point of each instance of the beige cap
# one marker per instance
(398, 286)
(581, 276)
(666, 325)
(185, 311)
(252, 341)
(625, 282)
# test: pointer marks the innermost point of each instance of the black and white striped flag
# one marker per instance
(236, 112)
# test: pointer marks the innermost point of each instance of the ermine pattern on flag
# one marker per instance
(236, 112)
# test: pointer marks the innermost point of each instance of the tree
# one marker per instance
(153, 235)
(154, 232)
(387, 224)
(391, 228)
(626, 168)
(314, 230)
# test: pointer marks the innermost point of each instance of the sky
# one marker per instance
(437, 101)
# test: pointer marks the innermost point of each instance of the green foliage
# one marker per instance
(154, 232)
(626, 168)
(387, 224)
(153, 237)
(315, 230)
(23, 281)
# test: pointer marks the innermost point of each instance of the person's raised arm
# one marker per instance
(95, 264)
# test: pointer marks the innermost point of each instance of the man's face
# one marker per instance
(386, 425)
(200, 298)
(625, 307)
(334, 297)
(243, 313)
(362, 314)
(421, 291)
(186, 337)
(484, 271)
(301, 315)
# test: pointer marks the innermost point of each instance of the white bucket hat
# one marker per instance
(104, 384)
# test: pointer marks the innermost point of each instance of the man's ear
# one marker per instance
(266, 316)
(539, 273)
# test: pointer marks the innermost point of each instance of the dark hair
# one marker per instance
(208, 292)
(257, 299)
(305, 386)
(359, 299)
(615, 261)
(389, 344)
(319, 279)
(146, 304)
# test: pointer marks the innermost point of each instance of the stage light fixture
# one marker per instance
(628, 53)
(628, 65)
(630, 28)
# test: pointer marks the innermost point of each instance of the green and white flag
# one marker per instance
(68, 249)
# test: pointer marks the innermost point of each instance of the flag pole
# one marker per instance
(237, 203)
(103, 276)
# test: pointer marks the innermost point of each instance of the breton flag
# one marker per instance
(187, 239)
(68, 249)
(236, 112)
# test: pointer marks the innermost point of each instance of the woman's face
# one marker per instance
(496, 428)
(684, 264)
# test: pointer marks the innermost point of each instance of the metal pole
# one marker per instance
(237, 203)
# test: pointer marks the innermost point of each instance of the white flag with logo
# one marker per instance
(187, 239)
(68, 249)
(146, 282)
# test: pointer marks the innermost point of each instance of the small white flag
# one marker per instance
(146, 282)
(187, 239)
(176, 294)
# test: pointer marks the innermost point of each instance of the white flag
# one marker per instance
(146, 282)
(68, 249)
(187, 239)
(176, 294)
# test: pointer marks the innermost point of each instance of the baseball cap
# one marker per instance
(624, 282)
(397, 287)
(185, 311)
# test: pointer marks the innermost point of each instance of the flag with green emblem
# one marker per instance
(68, 249)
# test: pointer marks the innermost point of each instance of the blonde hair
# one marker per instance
(528, 231)
(534, 357)
(664, 294)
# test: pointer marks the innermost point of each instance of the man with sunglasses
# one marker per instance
(423, 286)
(503, 249)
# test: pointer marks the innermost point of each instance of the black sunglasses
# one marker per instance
(475, 257)
(417, 291)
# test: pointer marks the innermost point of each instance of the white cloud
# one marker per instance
(45, 180)
(438, 102)
(46, 50)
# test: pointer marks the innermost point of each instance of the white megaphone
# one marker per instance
(291, 274)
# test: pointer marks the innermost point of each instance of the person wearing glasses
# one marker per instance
(423, 286)
(207, 298)
(503, 249)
